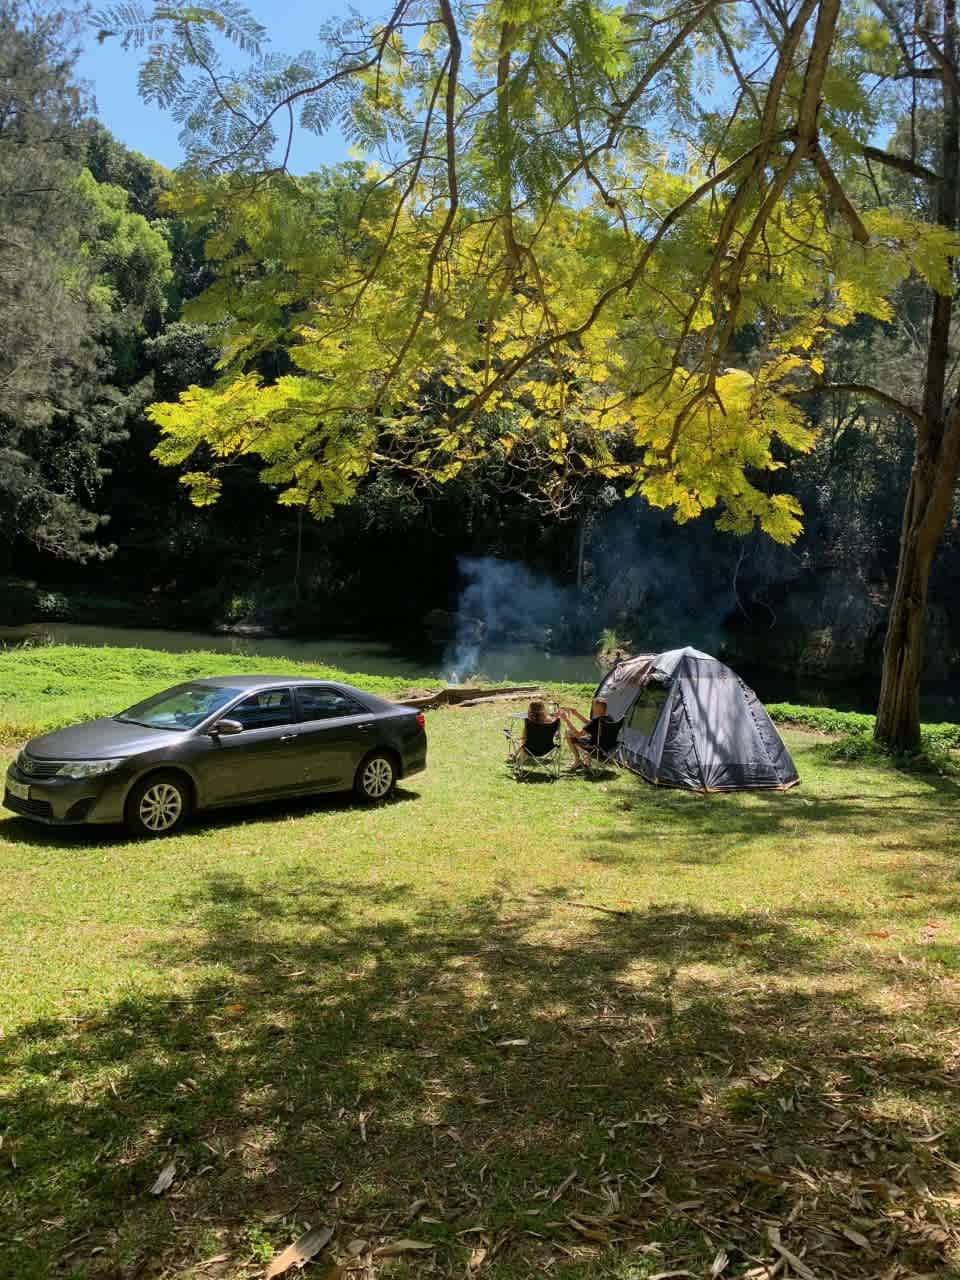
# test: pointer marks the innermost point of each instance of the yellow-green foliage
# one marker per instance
(614, 399)
(578, 306)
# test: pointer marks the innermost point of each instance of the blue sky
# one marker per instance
(291, 24)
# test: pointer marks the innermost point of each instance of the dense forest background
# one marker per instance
(96, 281)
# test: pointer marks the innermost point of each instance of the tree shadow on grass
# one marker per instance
(720, 828)
(606, 1096)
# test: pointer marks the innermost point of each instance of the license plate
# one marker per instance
(18, 789)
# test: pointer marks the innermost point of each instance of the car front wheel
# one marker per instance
(376, 777)
(159, 805)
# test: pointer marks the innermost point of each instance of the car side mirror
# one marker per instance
(225, 728)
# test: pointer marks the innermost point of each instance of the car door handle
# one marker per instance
(364, 726)
(288, 737)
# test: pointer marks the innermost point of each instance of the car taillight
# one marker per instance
(421, 720)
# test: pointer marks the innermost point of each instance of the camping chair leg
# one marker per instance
(599, 761)
(521, 762)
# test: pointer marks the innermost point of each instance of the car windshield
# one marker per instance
(183, 707)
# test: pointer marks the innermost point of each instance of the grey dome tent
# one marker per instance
(689, 721)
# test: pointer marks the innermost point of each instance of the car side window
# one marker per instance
(323, 704)
(264, 710)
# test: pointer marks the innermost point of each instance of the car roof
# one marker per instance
(252, 683)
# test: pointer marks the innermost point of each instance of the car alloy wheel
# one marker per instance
(377, 777)
(160, 807)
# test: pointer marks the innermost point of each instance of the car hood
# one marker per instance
(99, 740)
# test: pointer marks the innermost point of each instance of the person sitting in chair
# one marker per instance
(590, 734)
(539, 730)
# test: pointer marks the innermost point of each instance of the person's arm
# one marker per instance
(570, 711)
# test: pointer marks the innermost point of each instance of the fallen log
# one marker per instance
(465, 695)
(487, 697)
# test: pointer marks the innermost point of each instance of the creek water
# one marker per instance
(374, 657)
(521, 663)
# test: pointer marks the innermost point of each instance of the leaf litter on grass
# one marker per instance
(743, 1051)
(299, 1253)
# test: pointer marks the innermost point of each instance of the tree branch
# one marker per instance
(450, 126)
(839, 196)
(948, 72)
(627, 283)
(743, 82)
(865, 389)
(286, 102)
(903, 163)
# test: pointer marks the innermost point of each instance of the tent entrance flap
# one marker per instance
(622, 683)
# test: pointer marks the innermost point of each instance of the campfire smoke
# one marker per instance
(503, 603)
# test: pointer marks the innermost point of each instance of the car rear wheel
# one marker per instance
(376, 777)
(159, 805)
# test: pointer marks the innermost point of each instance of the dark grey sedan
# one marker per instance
(216, 742)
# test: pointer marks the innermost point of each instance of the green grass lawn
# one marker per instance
(45, 687)
(581, 1029)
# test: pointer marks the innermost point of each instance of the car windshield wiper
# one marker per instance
(144, 725)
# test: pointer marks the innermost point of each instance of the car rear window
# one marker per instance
(317, 703)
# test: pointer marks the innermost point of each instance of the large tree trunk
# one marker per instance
(929, 504)
(937, 457)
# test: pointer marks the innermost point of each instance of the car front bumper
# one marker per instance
(65, 802)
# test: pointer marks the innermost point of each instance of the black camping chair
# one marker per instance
(606, 750)
(534, 747)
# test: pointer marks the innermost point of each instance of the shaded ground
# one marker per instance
(581, 1030)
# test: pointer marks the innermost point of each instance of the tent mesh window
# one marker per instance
(646, 709)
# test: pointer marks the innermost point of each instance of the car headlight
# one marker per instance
(87, 768)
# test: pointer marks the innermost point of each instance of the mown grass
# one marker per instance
(586, 1029)
(855, 730)
(45, 687)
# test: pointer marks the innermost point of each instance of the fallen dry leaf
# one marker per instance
(855, 1237)
(720, 1263)
(164, 1178)
(876, 933)
(299, 1253)
(589, 1233)
(567, 1182)
(401, 1246)
(503, 1044)
(799, 1266)
(477, 1257)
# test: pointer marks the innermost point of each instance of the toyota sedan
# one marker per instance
(215, 742)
